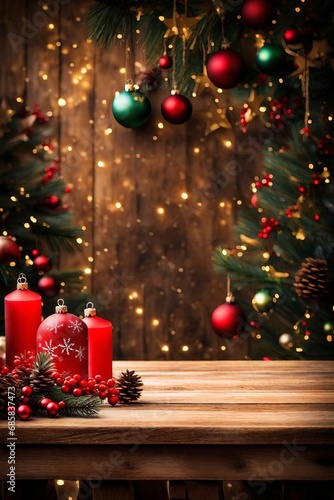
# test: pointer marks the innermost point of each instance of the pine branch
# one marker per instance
(82, 406)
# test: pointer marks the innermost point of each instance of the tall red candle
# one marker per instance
(64, 337)
(99, 344)
(23, 314)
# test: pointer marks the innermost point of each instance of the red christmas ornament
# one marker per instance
(48, 286)
(52, 201)
(24, 412)
(64, 337)
(228, 320)
(176, 109)
(35, 253)
(52, 408)
(292, 36)
(225, 68)
(258, 13)
(165, 62)
(42, 263)
(9, 250)
(254, 200)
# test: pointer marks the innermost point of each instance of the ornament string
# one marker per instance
(306, 93)
(229, 294)
(173, 70)
(221, 14)
(174, 49)
(305, 81)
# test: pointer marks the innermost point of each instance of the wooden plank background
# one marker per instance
(151, 271)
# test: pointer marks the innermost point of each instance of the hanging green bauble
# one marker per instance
(271, 59)
(263, 301)
(329, 327)
(131, 108)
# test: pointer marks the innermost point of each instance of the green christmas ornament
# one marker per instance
(131, 108)
(329, 327)
(271, 59)
(263, 301)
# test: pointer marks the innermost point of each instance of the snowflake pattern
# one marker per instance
(76, 326)
(80, 353)
(55, 327)
(67, 346)
(49, 348)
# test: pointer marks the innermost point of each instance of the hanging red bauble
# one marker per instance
(48, 286)
(258, 13)
(35, 253)
(52, 201)
(225, 68)
(64, 337)
(165, 62)
(292, 36)
(254, 200)
(228, 320)
(176, 109)
(42, 263)
(9, 250)
(24, 412)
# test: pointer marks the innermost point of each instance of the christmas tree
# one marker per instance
(36, 226)
(275, 56)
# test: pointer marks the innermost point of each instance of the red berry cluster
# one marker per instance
(278, 111)
(316, 179)
(326, 146)
(36, 110)
(291, 211)
(24, 365)
(266, 181)
(52, 408)
(268, 225)
(51, 171)
(76, 385)
(245, 118)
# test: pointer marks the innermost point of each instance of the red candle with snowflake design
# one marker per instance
(23, 314)
(65, 337)
(99, 344)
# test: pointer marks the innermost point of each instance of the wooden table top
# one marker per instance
(207, 402)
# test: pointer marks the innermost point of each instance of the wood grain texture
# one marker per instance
(223, 402)
(255, 463)
(274, 421)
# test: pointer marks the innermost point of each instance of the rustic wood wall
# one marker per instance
(152, 271)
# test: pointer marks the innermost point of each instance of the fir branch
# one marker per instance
(240, 270)
(82, 406)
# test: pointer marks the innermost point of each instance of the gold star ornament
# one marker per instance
(180, 25)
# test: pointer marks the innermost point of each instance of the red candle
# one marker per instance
(64, 337)
(23, 314)
(99, 344)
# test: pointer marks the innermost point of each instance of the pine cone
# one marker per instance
(8, 381)
(40, 378)
(311, 280)
(130, 386)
